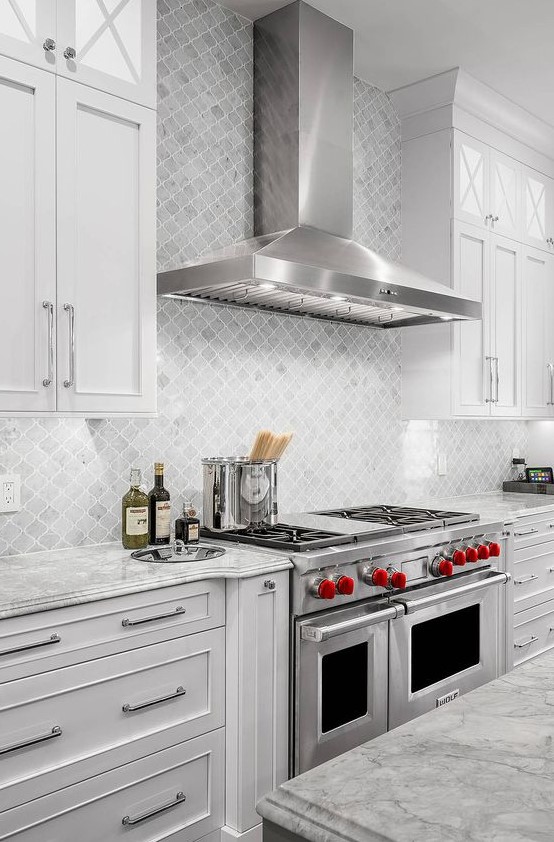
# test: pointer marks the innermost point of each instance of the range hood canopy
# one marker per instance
(303, 103)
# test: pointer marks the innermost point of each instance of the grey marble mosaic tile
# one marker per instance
(223, 373)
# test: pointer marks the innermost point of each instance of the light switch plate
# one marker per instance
(10, 493)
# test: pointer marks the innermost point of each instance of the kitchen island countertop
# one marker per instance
(494, 505)
(481, 768)
(58, 578)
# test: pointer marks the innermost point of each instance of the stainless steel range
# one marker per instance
(394, 611)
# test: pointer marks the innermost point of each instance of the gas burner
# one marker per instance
(409, 519)
(282, 536)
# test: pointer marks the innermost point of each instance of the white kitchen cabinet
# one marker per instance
(505, 325)
(505, 195)
(107, 45)
(28, 31)
(257, 694)
(538, 209)
(114, 45)
(106, 253)
(538, 338)
(27, 238)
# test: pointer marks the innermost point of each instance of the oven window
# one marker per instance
(444, 646)
(343, 686)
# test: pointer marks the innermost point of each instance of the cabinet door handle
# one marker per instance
(56, 731)
(521, 644)
(269, 584)
(70, 310)
(488, 218)
(179, 799)
(525, 532)
(128, 708)
(497, 381)
(126, 622)
(550, 367)
(49, 45)
(524, 579)
(70, 53)
(54, 638)
(490, 399)
(50, 376)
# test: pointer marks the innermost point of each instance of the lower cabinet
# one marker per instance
(533, 631)
(174, 794)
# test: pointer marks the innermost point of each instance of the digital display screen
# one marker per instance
(540, 475)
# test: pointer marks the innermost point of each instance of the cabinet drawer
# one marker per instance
(534, 529)
(138, 801)
(35, 643)
(533, 631)
(65, 725)
(533, 573)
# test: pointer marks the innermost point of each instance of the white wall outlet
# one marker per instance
(441, 464)
(10, 492)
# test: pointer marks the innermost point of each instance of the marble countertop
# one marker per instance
(496, 505)
(57, 578)
(479, 769)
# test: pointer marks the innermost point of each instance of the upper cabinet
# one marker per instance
(77, 211)
(478, 215)
(107, 45)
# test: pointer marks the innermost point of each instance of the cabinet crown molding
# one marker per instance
(456, 91)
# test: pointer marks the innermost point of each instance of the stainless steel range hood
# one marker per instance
(303, 116)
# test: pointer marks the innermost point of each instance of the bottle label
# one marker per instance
(163, 519)
(136, 521)
(194, 532)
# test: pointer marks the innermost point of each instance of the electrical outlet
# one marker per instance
(10, 493)
(441, 464)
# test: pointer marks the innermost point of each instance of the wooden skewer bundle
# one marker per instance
(268, 445)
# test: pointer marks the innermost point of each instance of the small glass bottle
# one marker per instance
(159, 508)
(134, 515)
(187, 527)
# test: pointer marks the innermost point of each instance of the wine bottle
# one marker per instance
(134, 515)
(159, 508)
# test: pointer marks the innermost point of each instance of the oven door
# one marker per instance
(340, 692)
(447, 643)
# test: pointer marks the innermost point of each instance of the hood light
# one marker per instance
(266, 286)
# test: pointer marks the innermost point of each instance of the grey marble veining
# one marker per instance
(58, 578)
(480, 769)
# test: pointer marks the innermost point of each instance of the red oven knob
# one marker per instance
(459, 558)
(326, 589)
(472, 554)
(445, 567)
(398, 580)
(483, 551)
(378, 577)
(345, 585)
(495, 549)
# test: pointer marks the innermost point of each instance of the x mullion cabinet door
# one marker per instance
(110, 46)
(28, 32)
(471, 181)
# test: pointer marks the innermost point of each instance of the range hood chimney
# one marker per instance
(303, 185)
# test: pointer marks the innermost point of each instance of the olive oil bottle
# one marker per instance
(159, 507)
(134, 515)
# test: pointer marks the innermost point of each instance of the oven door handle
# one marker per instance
(412, 605)
(318, 634)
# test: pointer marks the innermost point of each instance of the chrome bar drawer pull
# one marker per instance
(523, 643)
(524, 579)
(126, 622)
(47, 305)
(54, 638)
(526, 532)
(41, 738)
(180, 798)
(70, 309)
(127, 708)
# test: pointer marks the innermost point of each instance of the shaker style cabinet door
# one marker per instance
(538, 339)
(110, 46)
(471, 180)
(538, 209)
(471, 364)
(28, 31)
(27, 238)
(505, 195)
(106, 255)
(505, 348)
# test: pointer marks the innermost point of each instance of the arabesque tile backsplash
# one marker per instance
(223, 373)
